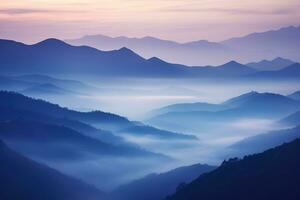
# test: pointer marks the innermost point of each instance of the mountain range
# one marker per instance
(48, 133)
(54, 57)
(283, 42)
(207, 116)
(271, 65)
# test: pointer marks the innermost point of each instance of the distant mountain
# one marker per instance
(273, 174)
(283, 42)
(39, 79)
(191, 53)
(98, 118)
(256, 46)
(271, 65)
(291, 120)
(249, 105)
(295, 95)
(158, 186)
(10, 114)
(22, 178)
(7, 83)
(262, 142)
(234, 68)
(54, 57)
(58, 142)
(290, 72)
(152, 132)
(185, 107)
(46, 89)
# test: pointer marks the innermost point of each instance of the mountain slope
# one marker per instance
(289, 72)
(291, 120)
(271, 65)
(273, 174)
(58, 142)
(247, 106)
(22, 178)
(158, 186)
(10, 114)
(185, 107)
(56, 57)
(97, 118)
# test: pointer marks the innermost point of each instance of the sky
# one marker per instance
(181, 20)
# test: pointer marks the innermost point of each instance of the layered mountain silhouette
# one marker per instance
(65, 140)
(22, 178)
(273, 174)
(256, 46)
(158, 186)
(58, 142)
(249, 105)
(98, 118)
(191, 53)
(11, 114)
(53, 56)
(271, 65)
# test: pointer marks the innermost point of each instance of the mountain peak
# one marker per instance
(52, 42)
(232, 62)
(125, 49)
(155, 60)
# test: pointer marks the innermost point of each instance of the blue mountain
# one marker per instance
(289, 72)
(273, 174)
(291, 120)
(22, 178)
(186, 107)
(97, 118)
(249, 105)
(255, 46)
(59, 142)
(53, 56)
(271, 65)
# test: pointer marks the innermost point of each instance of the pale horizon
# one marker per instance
(215, 20)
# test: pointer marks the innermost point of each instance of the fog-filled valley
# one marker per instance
(115, 125)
